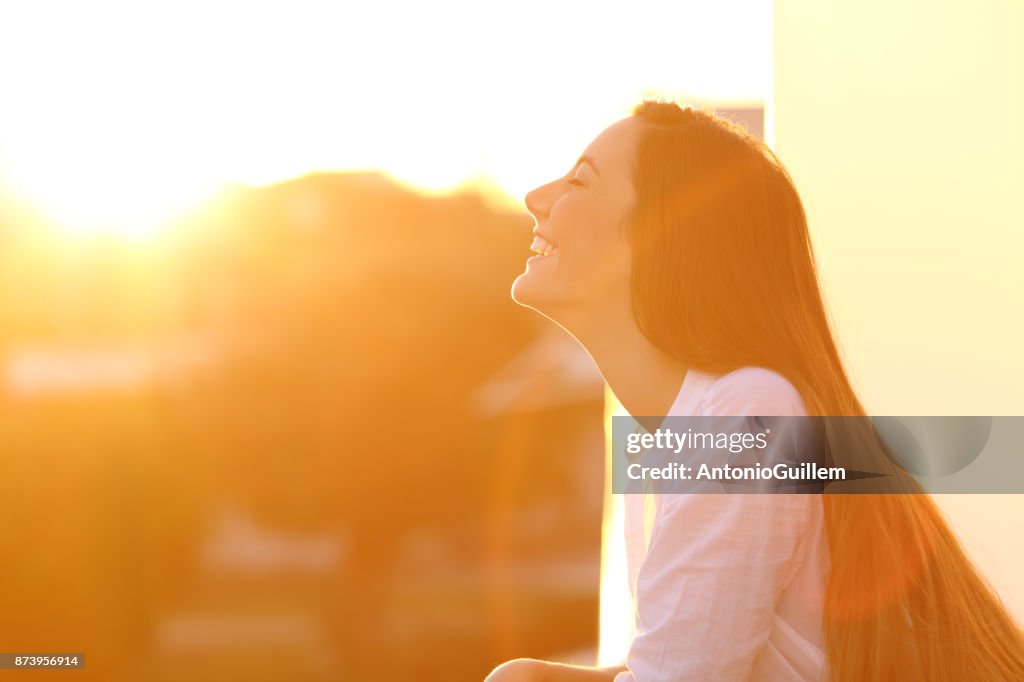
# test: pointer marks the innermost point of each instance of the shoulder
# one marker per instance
(753, 391)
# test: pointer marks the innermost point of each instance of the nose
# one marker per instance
(539, 200)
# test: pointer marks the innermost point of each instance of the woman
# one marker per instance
(676, 251)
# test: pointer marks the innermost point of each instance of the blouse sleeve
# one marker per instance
(716, 564)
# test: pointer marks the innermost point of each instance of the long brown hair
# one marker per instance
(723, 277)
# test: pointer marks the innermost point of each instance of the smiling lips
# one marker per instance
(542, 245)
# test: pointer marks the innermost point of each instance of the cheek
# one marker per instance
(598, 256)
(610, 268)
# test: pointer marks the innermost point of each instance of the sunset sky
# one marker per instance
(117, 115)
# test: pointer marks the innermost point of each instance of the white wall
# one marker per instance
(902, 124)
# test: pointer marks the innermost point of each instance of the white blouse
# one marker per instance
(727, 586)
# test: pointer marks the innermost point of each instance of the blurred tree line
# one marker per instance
(341, 325)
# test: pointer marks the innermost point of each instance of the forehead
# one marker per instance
(612, 150)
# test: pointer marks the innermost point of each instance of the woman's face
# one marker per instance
(583, 259)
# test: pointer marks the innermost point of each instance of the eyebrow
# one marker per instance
(587, 159)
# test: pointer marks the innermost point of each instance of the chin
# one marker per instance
(529, 292)
(522, 290)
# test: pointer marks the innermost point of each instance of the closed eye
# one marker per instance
(575, 182)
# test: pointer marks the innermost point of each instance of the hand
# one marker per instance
(533, 670)
(517, 670)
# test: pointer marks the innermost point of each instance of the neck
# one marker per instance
(645, 380)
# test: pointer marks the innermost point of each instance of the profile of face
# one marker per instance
(583, 259)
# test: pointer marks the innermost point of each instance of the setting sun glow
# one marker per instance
(128, 114)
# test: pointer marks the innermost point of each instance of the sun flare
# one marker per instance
(130, 202)
(118, 116)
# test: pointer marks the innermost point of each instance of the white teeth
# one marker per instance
(542, 246)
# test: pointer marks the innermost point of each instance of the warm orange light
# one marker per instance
(119, 116)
